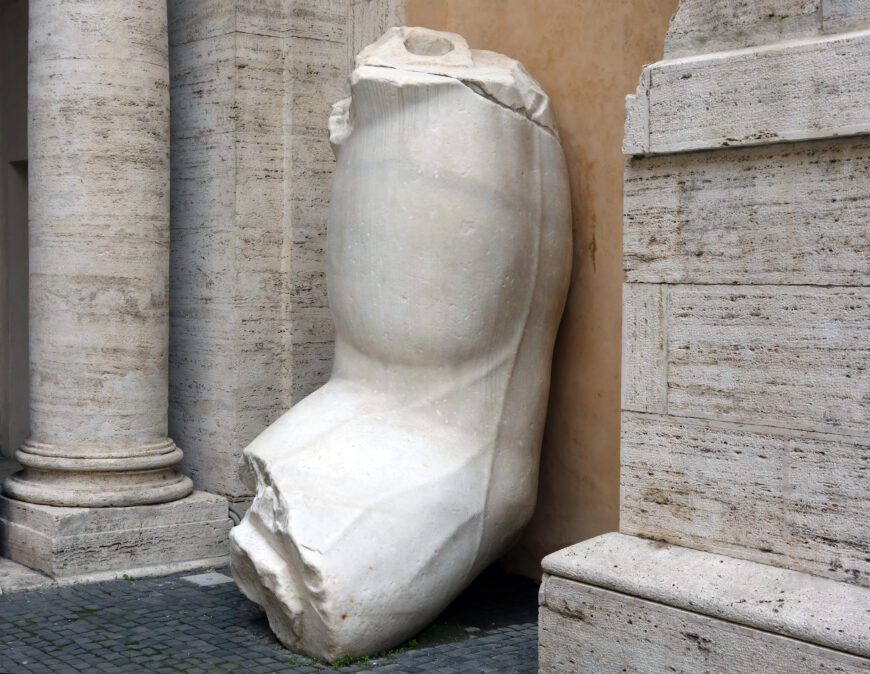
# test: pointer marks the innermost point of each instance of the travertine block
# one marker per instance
(66, 542)
(644, 348)
(778, 214)
(604, 631)
(843, 15)
(701, 26)
(15, 577)
(640, 580)
(753, 97)
(756, 459)
(249, 82)
(203, 90)
(252, 85)
(786, 356)
(367, 20)
(193, 20)
(322, 20)
(770, 495)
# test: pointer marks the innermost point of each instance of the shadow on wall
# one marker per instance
(14, 376)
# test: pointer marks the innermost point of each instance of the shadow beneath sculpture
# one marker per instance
(494, 601)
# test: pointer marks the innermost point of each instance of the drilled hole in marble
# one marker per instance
(423, 44)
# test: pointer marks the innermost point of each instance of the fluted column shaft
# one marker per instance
(98, 106)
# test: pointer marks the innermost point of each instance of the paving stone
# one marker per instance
(208, 579)
(172, 624)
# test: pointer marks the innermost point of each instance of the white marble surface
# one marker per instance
(383, 494)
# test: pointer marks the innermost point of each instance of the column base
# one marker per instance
(64, 542)
(621, 603)
(72, 477)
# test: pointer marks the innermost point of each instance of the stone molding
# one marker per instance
(98, 478)
(584, 628)
(752, 96)
(781, 601)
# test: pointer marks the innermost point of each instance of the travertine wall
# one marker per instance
(586, 54)
(252, 86)
(704, 26)
(746, 308)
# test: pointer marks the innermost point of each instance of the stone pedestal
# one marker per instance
(98, 108)
(621, 603)
(139, 540)
(746, 368)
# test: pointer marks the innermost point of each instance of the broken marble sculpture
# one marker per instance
(383, 494)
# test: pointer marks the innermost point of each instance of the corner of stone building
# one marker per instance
(729, 557)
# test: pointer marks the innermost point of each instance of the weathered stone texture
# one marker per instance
(98, 151)
(817, 610)
(367, 21)
(595, 630)
(65, 542)
(99, 242)
(644, 353)
(792, 357)
(770, 495)
(840, 15)
(777, 214)
(753, 97)
(619, 601)
(789, 490)
(252, 86)
(784, 356)
(228, 253)
(745, 543)
(702, 26)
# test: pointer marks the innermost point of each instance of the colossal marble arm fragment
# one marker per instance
(381, 496)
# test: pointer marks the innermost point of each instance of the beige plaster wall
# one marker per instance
(587, 54)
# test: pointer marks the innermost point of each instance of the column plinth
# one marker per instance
(61, 476)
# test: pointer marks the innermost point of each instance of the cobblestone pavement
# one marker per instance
(174, 624)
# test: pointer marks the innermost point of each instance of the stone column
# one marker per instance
(99, 257)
